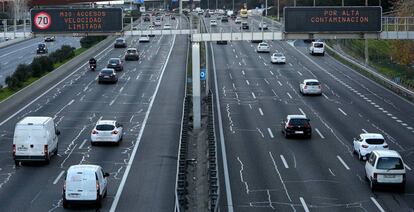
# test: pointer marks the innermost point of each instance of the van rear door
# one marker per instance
(30, 141)
(81, 185)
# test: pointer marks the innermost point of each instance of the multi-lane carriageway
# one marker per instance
(259, 169)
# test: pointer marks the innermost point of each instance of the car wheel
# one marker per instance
(402, 188)
(16, 162)
(56, 150)
(286, 135)
(372, 185)
(99, 202)
(360, 156)
(93, 143)
(106, 192)
(366, 177)
(65, 204)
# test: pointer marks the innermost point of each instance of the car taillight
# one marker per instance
(46, 149)
(305, 87)
(289, 126)
(114, 132)
(14, 150)
(375, 176)
(97, 186)
(307, 126)
(94, 132)
(64, 186)
(364, 146)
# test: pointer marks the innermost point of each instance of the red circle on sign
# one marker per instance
(42, 20)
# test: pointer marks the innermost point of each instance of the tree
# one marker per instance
(403, 50)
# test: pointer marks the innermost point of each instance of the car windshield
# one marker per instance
(41, 45)
(299, 122)
(114, 61)
(312, 83)
(318, 45)
(263, 44)
(106, 72)
(132, 51)
(374, 141)
(105, 127)
(278, 55)
(119, 40)
(390, 163)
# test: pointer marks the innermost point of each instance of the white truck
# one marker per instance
(35, 139)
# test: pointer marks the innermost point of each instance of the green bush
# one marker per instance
(23, 72)
(88, 41)
(62, 54)
(37, 68)
(13, 83)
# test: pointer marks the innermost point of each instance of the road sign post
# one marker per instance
(196, 85)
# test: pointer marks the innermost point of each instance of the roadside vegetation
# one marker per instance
(25, 74)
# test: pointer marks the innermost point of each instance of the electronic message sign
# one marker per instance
(332, 19)
(66, 20)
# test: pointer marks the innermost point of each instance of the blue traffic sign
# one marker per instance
(203, 73)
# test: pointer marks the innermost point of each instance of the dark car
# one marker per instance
(233, 17)
(244, 25)
(172, 17)
(41, 48)
(131, 54)
(296, 125)
(107, 75)
(221, 42)
(50, 39)
(115, 63)
(120, 43)
(207, 15)
(147, 19)
(224, 19)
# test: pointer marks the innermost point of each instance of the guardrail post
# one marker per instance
(196, 85)
(14, 27)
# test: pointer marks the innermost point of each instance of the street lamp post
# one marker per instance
(278, 16)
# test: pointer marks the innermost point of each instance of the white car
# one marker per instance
(157, 23)
(107, 131)
(263, 26)
(263, 47)
(365, 143)
(385, 167)
(310, 86)
(317, 48)
(238, 20)
(144, 38)
(213, 23)
(167, 26)
(278, 58)
(85, 184)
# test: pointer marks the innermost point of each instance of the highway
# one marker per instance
(148, 96)
(24, 52)
(268, 172)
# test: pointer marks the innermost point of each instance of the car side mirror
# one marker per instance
(106, 174)
(57, 132)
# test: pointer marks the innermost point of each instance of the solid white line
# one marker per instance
(260, 111)
(320, 134)
(305, 207)
(284, 161)
(141, 132)
(300, 109)
(377, 204)
(289, 95)
(342, 111)
(343, 162)
(270, 132)
(58, 177)
(247, 81)
(331, 172)
(280, 176)
(222, 143)
(254, 96)
(47, 91)
(407, 167)
(83, 143)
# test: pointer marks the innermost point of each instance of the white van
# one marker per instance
(35, 139)
(85, 184)
(317, 47)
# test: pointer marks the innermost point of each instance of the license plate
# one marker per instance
(106, 76)
(389, 176)
(298, 132)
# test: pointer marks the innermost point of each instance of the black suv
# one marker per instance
(296, 125)
(41, 48)
(224, 19)
(115, 63)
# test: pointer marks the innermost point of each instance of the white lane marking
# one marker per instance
(58, 177)
(260, 111)
(48, 90)
(247, 81)
(332, 172)
(270, 200)
(267, 82)
(254, 96)
(407, 167)
(301, 111)
(71, 102)
(320, 134)
(274, 92)
(83, 143)
(305, 207)
(239, 63)
(377, 204)
(270, 132)
(141, 132)
(284, 161)
(243, 73)
(343, 112)
(365, 131)
(241, 176)
(289, 95)
(231, 77)
(234, 86)
(272, 73)
(324, 95)
(300, 73)
(343, 162)
(120, 90)
(112, 102)
(279, 83)
(222, 142)
(280, 176)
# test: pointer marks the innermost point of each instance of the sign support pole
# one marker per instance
(196, 85)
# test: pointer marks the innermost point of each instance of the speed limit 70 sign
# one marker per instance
(42, 20)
